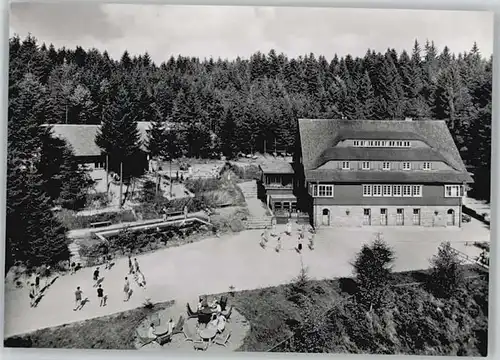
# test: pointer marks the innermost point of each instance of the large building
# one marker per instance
(377, 173)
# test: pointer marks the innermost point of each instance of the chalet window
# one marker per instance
(386, 165)
(426, 166)
(406, 144)
(99, 165)
(345, 165)
(314, 190)
(361, 143)
(406, 190)
(406, 166)
(325, 191)
(356, 143)
(377, 190)
(365, 165)
(386, 190)
(391, 143)
(371, 143)
(367, 190)
(453, 191)
(416, 190)
(396, 190)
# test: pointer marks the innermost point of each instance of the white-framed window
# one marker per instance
(377, 190)
(361, 143)
(386, 165)
(406, 165)
(396, 190)
(453, 191)
(386, 190)
(356, 142)
(325, 190)
(345, 165)
(406, 190)
(99, 165)
(391, 143)
(426, 166)
(407, 144)
(365, 165)
(416, 190)
(367, 190)
(371, 143)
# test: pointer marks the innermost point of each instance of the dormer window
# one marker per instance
(365, 165)
(406, 166)
(426, 166)
(345, 165)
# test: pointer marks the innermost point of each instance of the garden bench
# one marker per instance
(100, 223)
(174, 213)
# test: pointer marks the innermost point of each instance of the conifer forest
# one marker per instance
(248, 104)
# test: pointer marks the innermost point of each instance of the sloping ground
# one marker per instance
(275, 313)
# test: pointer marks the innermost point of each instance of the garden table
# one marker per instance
(208, 333)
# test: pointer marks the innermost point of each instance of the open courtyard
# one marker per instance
(215, 265)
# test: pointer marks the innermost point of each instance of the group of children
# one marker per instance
(288, 232)
(133, 270)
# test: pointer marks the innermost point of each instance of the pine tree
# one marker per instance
(227, 135)
(34, 236)
(156, 138)
(366, 97)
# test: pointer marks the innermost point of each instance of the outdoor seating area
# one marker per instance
(213, 325)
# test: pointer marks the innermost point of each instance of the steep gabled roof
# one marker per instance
(379, 154)
(319, 135)
(82, 136)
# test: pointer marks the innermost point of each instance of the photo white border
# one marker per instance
(471, 5)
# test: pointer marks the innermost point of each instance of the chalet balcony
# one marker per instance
(278, 186)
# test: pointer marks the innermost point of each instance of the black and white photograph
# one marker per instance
(216, 179)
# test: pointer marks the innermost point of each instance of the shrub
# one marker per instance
(447, 274)
(199, 186)
(72, 221)
(148, 191)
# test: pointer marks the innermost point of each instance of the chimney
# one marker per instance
(408, 119)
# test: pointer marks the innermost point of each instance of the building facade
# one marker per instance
(381, 173)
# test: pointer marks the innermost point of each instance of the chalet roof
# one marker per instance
(82, 136)
(379, 154)
(349, 176)
(277, 167)
(318, 135)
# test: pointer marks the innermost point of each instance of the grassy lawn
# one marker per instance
(275, 313)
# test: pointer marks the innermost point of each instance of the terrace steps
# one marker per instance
(257, 219)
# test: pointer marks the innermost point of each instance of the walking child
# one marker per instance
(32, 295)
(136, 263)
(130, 266)
(100, 295)
(96, 276)
(37, 282)
(126, 290)
(278, 244)
(78, 298)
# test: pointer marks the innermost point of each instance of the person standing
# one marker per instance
(78, 298)
(289, 228)
(185, 212)
(136, 264)
(37, 282)
(130, 266)
(126, 289)
(278, 244)
(32, 295)
(96, 276)
(100, 295)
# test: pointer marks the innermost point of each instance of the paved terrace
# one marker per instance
(213, 265)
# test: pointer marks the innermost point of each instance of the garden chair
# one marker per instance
(222, 339)
(143, 341)
(223, 303)
(178, 326)
(155, 319)
(200, 345)
(227, 314)
(190, 313)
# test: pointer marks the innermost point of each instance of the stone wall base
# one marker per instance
(353, 216)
